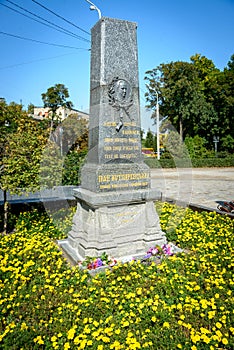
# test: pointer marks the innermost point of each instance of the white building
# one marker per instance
(62, 113)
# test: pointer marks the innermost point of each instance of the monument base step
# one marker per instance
(127, 226)
(97, 199)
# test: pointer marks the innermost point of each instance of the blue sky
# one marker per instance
(168, 30)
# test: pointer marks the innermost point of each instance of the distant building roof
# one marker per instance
(40, 113)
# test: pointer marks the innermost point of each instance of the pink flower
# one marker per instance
(167, 249)
(154, 251)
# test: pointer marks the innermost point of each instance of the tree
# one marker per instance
(196, 97)
(149, 140)
(175, 147)
(226, 99)
(72, 166)
(75, 140)
(196, 146)
(218, 88)
(204, 66)
(10, 116)
(21, 150)
(56, 96)
(75, 133)
(178, 88)
(227, 143)
(23, 155)
(63, 157)
(31, 108)
(30, 160)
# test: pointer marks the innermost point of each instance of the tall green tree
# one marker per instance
(218, 90)
(56, 96)
(178, 88)
(225, 100)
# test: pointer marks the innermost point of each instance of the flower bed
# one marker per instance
(186, 302)
(153, 254)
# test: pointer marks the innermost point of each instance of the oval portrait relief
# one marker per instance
(120, 92)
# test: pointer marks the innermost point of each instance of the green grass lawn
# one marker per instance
(186, 302)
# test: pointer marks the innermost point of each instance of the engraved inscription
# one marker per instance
(123, 181)
(121, 177)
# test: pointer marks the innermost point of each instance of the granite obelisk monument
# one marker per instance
(115, 202)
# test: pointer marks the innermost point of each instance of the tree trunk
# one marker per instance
(181, 129)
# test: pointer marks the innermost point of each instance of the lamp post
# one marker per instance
(216, 140)
(61, 139)
(158, 134)
(94, 7)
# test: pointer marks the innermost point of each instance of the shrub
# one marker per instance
(187, 163)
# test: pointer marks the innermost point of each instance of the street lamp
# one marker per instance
(158, 134)
(216, 140)
(61, 139)
(94, 7)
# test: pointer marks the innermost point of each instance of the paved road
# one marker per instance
(202, 186)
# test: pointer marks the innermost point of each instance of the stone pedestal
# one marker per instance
(115, 203)
(120, 224)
